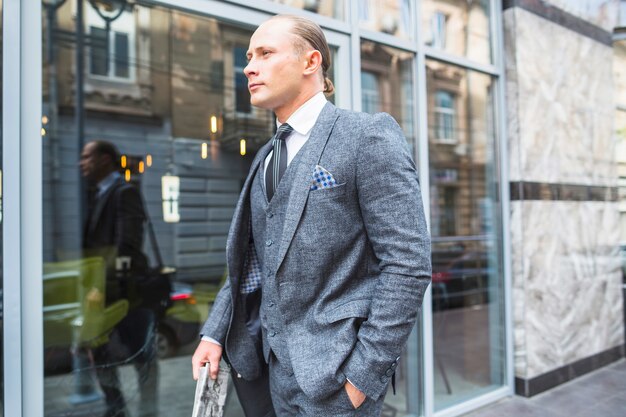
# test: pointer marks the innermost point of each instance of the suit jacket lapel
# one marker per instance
(239, 233)
(300, 187)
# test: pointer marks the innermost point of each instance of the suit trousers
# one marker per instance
(254, 396)
(290, 401)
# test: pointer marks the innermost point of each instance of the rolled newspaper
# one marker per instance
(211, 394)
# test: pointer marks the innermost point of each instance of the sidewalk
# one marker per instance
(601, 393)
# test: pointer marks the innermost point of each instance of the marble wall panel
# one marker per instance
(619, 72)
(560, 103)
(602, 13)
(519, 292)
(567, 283)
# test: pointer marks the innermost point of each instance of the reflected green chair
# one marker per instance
(74, 304)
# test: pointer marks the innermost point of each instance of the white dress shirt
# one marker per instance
(302, 122)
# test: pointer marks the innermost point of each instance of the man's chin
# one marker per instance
(260, 103)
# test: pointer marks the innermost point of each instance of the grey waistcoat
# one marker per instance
(267, 228)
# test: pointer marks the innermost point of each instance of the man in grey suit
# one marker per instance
(328, 252)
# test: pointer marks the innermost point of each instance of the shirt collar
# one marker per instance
(107, 182)
(303, 119)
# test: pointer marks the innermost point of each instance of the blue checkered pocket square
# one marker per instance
(322, 179)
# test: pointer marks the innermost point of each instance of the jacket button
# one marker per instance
(272, 334)
(389, 372)
(238, 375)
(270, 214)
(270, 304)
(394, 365)
(384, 379)
(268, 242)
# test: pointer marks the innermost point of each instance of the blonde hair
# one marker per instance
(308, 34)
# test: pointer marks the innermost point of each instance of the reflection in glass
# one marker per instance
(388, 16)
(387, 84)
(1, 228)
(468, 325)
(459, 27)
(619, 76)
(330, 8)
(167, 90)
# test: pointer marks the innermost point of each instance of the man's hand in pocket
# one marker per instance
(356, 397)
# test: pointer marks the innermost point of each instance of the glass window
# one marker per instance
(1, 229)
(242, 95)
(110, 52)
(388, 16)
(329, 8)
(387, 84)
(369, 92)
(117, 224)
(438, 28)
(121, 55)
(458, 27)
(98, 52)
(468, 319)
(159, 209)
(444, 117)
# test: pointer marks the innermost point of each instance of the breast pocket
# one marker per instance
(330, 192)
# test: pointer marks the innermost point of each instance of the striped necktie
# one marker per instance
(278, 162)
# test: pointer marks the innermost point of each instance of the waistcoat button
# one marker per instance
(268, 242)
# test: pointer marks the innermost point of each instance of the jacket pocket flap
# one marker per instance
(355, 308)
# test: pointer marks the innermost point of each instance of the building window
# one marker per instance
(364, 10)
(111, 57)
(242, 95)
(444, 117)
(369, 92)
(438, 30)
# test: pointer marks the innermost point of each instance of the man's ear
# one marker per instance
(313, 61)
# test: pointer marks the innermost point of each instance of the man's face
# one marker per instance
(274, 70)
(92, 164)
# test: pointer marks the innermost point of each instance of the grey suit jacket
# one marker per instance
(353, 260)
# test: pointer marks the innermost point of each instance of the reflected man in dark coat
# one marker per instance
(114, 230)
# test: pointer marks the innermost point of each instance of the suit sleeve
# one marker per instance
(391, 205)
(216, 325)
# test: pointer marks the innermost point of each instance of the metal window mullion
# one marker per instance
(249, 13)
(388, 40)
(355, 57)
(12, 268)
(460, 61)
(472, 404)
(22, 259)
(423, 163)
(273, 7)
(31, 211)
(503, 172)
